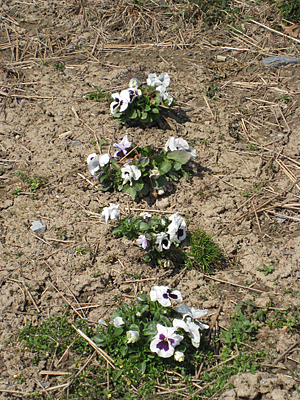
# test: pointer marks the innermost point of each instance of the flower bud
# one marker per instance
(132, 336)
(179, 356)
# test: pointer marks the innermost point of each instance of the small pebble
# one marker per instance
(37, 227)
(59, 118)
(27, 243)
(75, 143)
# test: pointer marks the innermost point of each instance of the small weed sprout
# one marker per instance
(266, 270)
(204, 253)
(30, 183)
(99, 96)
(60, 66)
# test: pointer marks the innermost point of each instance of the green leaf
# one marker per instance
(147, 108)
(134, 115)
(145, 190)
(150, 329)
(165, 166)
(130, 190)
(107, 186)
(143, 309)
(146, 258)
(173, 175)
(123, 350)
(155, 110)
(144, 115)
(118, 331)
(165, 321)
(144, 162)
(160, 182)
(138, 185)
(142, 367)
(185, 175)
(143, 226)
(177, 166)
(100, 340)
(134, 327)
(180, 156)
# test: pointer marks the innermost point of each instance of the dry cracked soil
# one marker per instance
(241, 116)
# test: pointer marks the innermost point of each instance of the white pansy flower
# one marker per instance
(111, 212)
(162, 80)
(164, 295)
(102, 322)
(142, 241)
(94, 162)
(164, 94)
(145, 215)
(162, 241)
(180, 144)
(118, 322)
(129, 173)
(179, 356)
(190, 327)
(165, 341)
(122, 147)
(132, 336)
(176, 229)
(120, 103)
(193, 313)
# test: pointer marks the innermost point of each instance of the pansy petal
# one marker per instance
(165, 79)
(104, 159)
(93, 163)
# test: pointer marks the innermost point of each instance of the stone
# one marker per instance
(37, 227)
(278, 61)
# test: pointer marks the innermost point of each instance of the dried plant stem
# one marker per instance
(101, 352)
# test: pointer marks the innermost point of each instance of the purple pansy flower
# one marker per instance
(122, 146)
(142, 241)
(165, 341)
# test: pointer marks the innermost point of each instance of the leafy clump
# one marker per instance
(158, 237)
(142, 103)
(55, 334)
(140, 359)
(141, 170)
(204, 253)
(289, 10)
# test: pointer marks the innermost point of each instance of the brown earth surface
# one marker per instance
(245, 190)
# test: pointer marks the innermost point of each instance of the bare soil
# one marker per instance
(243, 120)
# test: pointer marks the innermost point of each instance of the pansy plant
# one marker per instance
(156, 236)
(139, 171)
(142, 102)
(149, 330)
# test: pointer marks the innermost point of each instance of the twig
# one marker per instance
(152, 211)
(101, 352)
(286, 352)
(234, 284)
(274, 31)
(208, 106)
(256, 216)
